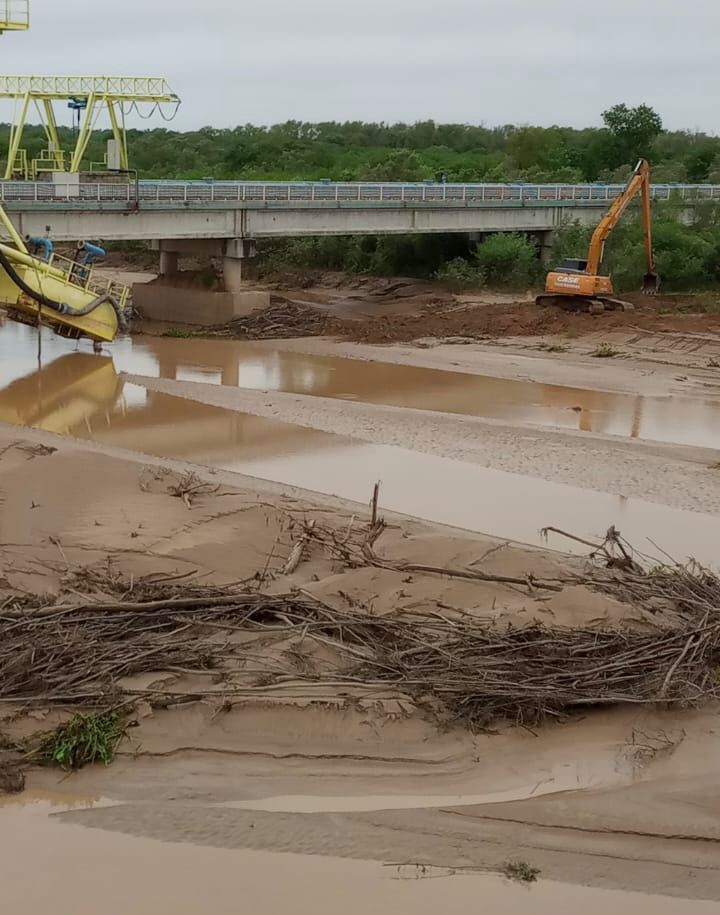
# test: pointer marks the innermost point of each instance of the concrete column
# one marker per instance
(238, 264)
(233, 272)
(168, 263)
(546, 241)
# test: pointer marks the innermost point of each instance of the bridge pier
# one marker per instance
(168, 263)
(170, 300)
(546, 242)
(238, 263)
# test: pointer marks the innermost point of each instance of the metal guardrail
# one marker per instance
(182, 193)
(83, 277)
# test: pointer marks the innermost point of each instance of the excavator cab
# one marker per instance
(572, 265)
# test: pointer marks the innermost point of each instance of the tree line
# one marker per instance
(426, 150)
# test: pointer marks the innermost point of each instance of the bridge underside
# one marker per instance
(70, 223)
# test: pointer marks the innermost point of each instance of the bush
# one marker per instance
(85, 739)
(508, 259)
(459, 274)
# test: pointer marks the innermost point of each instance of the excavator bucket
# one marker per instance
(651, 284)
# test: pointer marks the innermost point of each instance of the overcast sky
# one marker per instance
(476, 61)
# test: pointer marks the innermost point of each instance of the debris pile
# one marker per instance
(453, 666)
(282, 319)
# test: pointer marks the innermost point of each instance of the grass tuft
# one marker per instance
(85, 739)
(605, 351)
(521, 871)
(181, 332)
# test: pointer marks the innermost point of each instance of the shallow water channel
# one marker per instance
(49, 864)
(260, 366)
(71, 391)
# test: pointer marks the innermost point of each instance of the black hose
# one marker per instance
(60, 307)
(28, 290)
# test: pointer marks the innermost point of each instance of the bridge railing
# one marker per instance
(185, 193)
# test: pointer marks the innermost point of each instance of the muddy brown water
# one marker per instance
(48, 864)
(82, 395)
(258, 366)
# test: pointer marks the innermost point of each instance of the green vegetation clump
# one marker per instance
(182, 332)
(509, 259)
(85, 739)
(521, 871)
(605, 351)
(460, 274)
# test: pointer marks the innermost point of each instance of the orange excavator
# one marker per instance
(576, 284)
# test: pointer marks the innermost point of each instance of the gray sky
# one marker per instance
(476, 61)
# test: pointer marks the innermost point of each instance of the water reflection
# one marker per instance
(82, 395)
(257, 366)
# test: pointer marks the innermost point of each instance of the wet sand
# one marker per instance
(183, 879)
(299, 798)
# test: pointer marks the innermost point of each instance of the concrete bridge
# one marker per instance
(225, 218)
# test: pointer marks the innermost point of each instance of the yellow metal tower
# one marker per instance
(60, 293)
(14, 15)
(92, 95)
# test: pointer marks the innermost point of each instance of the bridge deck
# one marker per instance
(197, 210)
(246, 194)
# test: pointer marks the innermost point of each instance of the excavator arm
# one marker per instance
(577, 285)
(639, 183)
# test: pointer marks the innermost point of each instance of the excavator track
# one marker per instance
(594, 305)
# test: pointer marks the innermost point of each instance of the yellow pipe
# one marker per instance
(27, 260)
(16, 133)
(14, 235)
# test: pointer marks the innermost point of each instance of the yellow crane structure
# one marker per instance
(62, 293)
(14, 15)
(56, 291)
(59, 292)
(90, 96)
(577, 284)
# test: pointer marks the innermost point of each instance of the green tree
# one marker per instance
(699, 161)
(399, 165)
(632, 132)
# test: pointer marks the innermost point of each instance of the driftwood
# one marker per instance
(456, 667)
(464, 670)
(281, 319)
(360, 551)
